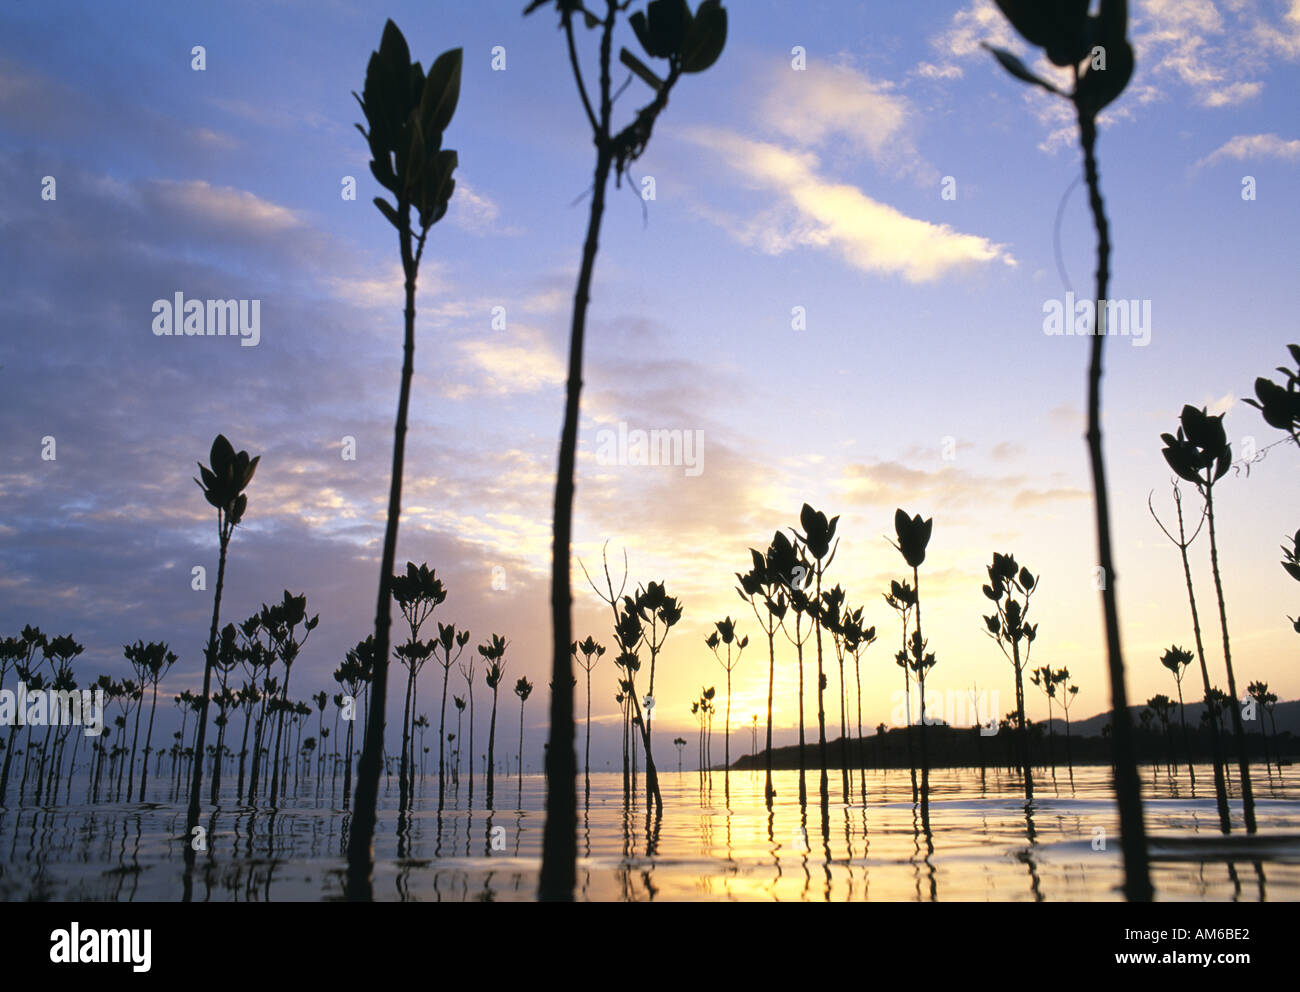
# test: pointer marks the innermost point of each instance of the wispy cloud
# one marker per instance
(520, 360)
(474, 211)
(1254, 146)
(825, 102)
(819, 212)
(222, 206)
(1215, 53)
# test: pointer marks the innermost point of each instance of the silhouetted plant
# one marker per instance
(280, 623)
(1163, 707)
(1200, 454)
(460, 710)
(11, 652)
(1069, 36)
(679, 743)
(725, 634)
(613, 600)
(1267, 701)
(857, 638)
(645, 621)
(1047, 680)
(704, 707)
(151, 661)
(902, 599)
(1008, 627)
(417, 593)
(223, 487)
(1291, 563)
(523, 688)
(448, 637)
(765, 582)
(1176, 660)
(1183, 542)
(59, 652)
(839, 621)
(354, 674)
(913, 537)
(467, 670)
(800, 606)
(187, 702)
(659, 613)
(407, 113)
(128, 696)
(493, 652)
(689, 44)
(257, 657)
(816, 540)
(1280, 405)
(591, 654)
(321, 699)
(227, 658)
(628, 633)
(1069, 692)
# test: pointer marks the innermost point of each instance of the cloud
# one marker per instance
(221, 206)
(818, 212)
(514, 361)
(826, 101)
(476, 212)
(1027, 498)
(1214, 52)
(980, 22)
(1254, 146)
(1006, 450)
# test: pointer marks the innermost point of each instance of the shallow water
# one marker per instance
(982, 842)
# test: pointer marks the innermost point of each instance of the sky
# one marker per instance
(799, 294)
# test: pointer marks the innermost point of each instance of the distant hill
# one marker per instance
(962, 746)
(1286, 714)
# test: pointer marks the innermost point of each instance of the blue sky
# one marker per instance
(775, 188)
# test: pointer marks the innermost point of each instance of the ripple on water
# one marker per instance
(979, 840)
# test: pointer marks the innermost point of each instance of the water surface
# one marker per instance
(715, 842)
